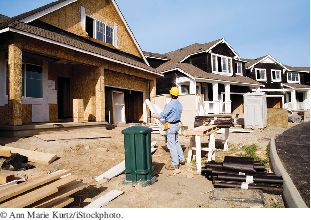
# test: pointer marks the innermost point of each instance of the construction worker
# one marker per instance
(170, 118)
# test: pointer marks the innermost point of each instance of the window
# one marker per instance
(239, 68)
(214, 63)
(276, 75)
(261, 74)
(221, 64)
(293, 77)
(109, 34)
(184, 89)
(31, 81)
(99, 30)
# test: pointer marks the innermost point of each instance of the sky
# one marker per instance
(253, 28)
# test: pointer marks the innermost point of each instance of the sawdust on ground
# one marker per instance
(88, 158)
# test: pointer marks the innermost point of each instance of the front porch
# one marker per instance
(297, 99)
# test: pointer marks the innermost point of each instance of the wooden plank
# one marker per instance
(37, 194)
(63, 191)
(114, 171)
(104, 199)
(5, 178)
(9, 184)
(34, 156)
(5, 152)
(201, 131)
(31, 184)
(59, 203)
(70, 136)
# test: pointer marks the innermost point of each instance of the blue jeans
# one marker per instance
(173, 144)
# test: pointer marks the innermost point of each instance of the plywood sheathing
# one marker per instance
(68, 18)
(15, 85)
(277, 118)
(100, 94)
(78, 110)
(4, 115)
(27, 113)
(153, 90)
(53, 112)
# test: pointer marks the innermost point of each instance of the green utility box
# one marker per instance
(138, 161)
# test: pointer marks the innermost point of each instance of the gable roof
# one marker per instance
(176, 57)
(77, 43)
(4, 18)
(54, 6)
(298, 69)
(252, 62)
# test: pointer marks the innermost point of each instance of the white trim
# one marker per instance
(290, 81)
(261, 80)
(47, 11)
(210, 48)
(232, 83)
(298, 89)
(130, 32)
(80, 50)
(83, 17)
(4, 30)
(273, 90)
(276, 80)
(268, 56)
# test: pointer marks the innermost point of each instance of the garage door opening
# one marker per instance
(123, 106)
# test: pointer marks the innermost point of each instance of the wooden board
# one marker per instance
(31, 184)
(5, 152)
(37, 194)
(201, 131)
(70, 136)
(58, 203)
(34, 156)
(104, 199)
(63, 191)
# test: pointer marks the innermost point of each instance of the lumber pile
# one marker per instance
(201, 131)
(33, 156)
(243, 173)
(47, 191)
(220, 120)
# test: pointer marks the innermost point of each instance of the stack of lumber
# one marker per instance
(47, 191)
(244, 173)
(33, 156)
(201, 131)
(220, 120)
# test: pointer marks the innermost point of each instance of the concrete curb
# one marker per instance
(290, 193)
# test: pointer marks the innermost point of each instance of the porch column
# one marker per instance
(227, 99)
(215, 98)
(100, 94)
(293, 99)
(307, 100)
(15, 85)
(193, 87)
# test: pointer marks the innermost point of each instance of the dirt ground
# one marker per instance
(89, 158)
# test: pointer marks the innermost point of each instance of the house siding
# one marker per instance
(164, 84)
(268, 67)
(68, 18)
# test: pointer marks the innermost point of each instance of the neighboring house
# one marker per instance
(212, 71)
(72, 60)
(285, 86)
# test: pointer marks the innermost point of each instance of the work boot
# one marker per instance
(182, 162)
(171, 167)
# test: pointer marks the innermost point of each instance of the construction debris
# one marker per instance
(104, 199)
(33, 156)
(243, 173)
(6, 178)
(48, 191)
(16, 162)
(4, 152)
